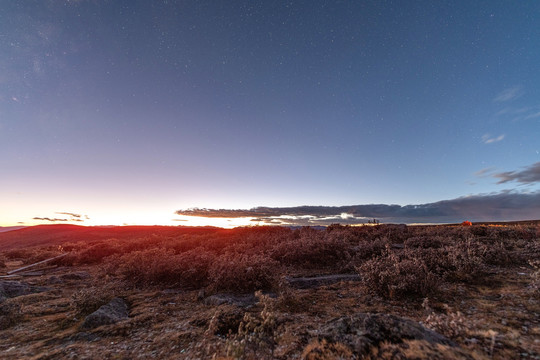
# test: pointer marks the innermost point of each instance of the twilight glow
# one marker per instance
(126, 112)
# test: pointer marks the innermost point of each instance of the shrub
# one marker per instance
(163, 266)
(242, 273)
(97, 252)
(426, 242)
(10, 314)
(312, 250)
(452, 324)
(256, 333)
(87, 300)
(466, 261)
(396, 278)
(18, 254)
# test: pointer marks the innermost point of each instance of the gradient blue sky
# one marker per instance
(126, 111)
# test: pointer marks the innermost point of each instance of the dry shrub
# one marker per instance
(370, 249)
(312, 250)
(225, 320)
(18, 254)
(163, 266)
(256, 333)
(535, 277)
(467, 261)
(88, 299)
(322, 350)
(452, 324)
(498, 254)
(396, 278)
(426, 242)
(243, 273)
(97, 252)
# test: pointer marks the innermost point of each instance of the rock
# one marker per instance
(316, 281)
(364, 331)
(11, 289)
(110, 313)
(79, 275)
(54, 280)
(84, 336)
(238, 300)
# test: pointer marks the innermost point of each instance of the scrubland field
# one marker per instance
(369, 292)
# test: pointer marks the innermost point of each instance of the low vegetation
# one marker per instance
(399, 267)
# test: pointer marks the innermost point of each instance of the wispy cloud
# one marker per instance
(533, 116)
(502, 206)
(50, 219)
(488, 139)
(519, 114)
(529, 175)
(484, 172)
(69, 214)
(71, 217)
(509, 94)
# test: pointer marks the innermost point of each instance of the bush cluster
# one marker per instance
(394, 261)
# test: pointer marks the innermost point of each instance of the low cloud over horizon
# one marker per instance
(503, 206)
(72, 217)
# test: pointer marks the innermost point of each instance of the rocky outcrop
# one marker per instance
(365, 333)
(110, 313)
(238, 300)
(317, 281)
(11, 289)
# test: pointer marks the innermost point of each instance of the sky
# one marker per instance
(177, 112)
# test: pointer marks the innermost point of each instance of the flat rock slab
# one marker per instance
(242, 300)
(11, 289)
(78, 275)
(110, 313)
(316, 281)
(363, 331)
(238, 300)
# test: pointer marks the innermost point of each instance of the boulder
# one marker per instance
(110, 313)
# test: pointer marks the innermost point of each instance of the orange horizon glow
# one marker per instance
(143, 220)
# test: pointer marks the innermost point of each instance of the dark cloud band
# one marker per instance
(503, 206)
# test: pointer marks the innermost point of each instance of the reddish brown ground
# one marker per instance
(493, 315)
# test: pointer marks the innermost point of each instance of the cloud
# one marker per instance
(529, 175)
(502, 206)
(533, 115)
(484, 172)
(72, 217)
(69, 214)
(488, 139)
(520, 114)
(509, 94)
(49, 219)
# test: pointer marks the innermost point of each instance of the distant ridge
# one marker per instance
(10, 228)
(41, 235)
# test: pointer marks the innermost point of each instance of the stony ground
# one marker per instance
(42, 317)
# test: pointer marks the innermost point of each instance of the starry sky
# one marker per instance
(136, 112)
